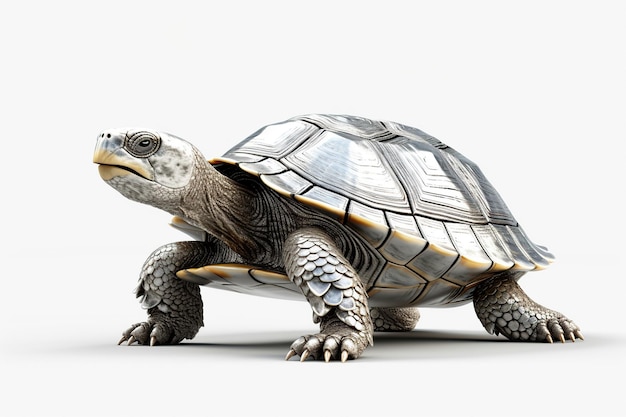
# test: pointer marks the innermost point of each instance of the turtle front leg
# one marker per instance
(174, 305)
(335, 293)
(503, 307)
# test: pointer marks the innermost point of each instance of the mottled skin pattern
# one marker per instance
(249, 224)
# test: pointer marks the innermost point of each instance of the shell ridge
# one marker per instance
(305, 119)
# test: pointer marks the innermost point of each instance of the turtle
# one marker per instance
(366, 220)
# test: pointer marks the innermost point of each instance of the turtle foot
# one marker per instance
(149, 334)
(560, 328)
(154, 332)
(336, 341)
(337, 346)
(504, 308)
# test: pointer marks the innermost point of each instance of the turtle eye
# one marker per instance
(142, 144)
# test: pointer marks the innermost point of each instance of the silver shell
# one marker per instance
(439, 224)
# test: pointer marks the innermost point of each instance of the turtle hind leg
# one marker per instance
(392, 319)
(503, 307)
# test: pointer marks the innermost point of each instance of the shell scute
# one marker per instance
(276, 140)
(400, 247)
(397, 276)
(433, 262)
(334, 161)
(287, 183)
(368, 222)
(266, 166)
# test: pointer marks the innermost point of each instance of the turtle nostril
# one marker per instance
(108, 135)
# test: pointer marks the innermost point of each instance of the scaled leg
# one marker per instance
(503, 307)
(335, 293)
(390, 319)
(174, 306)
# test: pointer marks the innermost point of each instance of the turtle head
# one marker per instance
(146, 166)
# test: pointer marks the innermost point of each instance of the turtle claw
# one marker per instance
(576, 334)
(290, 354)
(559, 328)
(304, 355)
(150, 333)
(328, 346)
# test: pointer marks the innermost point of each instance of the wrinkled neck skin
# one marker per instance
(254, 221)
(220, 206)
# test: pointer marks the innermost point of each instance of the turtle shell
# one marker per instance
(437, 223)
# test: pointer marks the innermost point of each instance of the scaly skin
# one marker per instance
(335, 293)
(174, 306)
(394, 319)
(503, 307)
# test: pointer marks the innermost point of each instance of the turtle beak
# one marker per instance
(115, 161)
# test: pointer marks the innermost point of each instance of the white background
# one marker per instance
(533, 92)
